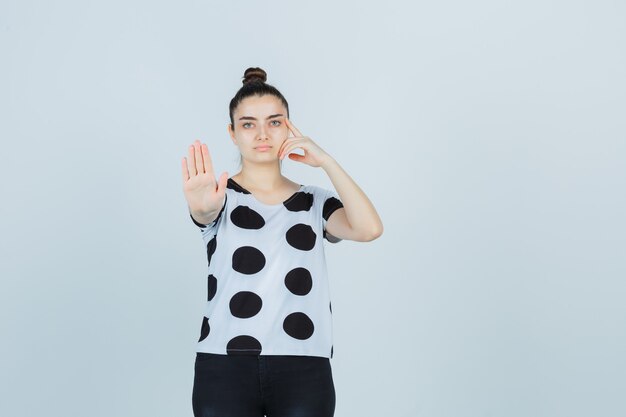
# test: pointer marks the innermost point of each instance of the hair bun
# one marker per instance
(254, 74)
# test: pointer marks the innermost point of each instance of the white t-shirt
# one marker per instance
(267, 285)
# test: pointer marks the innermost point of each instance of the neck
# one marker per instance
(264, 177)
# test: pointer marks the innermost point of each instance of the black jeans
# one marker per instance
(262, 385)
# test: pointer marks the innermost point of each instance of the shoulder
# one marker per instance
(315, 190)
(319, 194)
(326, 198)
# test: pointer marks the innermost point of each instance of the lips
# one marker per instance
(262, 147)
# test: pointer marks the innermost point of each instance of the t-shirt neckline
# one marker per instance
(233, 182)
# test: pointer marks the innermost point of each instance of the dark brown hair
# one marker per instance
(254, 84)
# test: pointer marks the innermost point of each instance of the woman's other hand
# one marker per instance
(313, 154)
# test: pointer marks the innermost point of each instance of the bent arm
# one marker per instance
(358, 220)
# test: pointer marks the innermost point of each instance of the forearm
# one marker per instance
(360, 211)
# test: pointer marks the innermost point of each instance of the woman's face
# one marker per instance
(259, 127)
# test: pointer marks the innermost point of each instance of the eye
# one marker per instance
(246, 123)
(276, 122)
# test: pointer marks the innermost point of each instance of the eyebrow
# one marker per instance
(254, 118)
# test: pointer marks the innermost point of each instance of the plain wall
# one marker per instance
(490, 136)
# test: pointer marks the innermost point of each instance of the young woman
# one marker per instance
(266, 335)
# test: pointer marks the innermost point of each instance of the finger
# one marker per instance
(282, 146)
(296, 157)
(191, 162)
(285, 151)
(185, 171)
(221, 185)
(198, 156)
(208, 163)
(293, 128)
(289, 148)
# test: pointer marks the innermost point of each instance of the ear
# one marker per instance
(231, 133)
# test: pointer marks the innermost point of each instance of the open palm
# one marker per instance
(203, 193)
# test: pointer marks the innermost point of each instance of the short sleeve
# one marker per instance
(209, 230)
(331, 202)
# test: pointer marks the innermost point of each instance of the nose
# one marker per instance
(262, 134)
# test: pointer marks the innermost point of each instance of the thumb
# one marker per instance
(221, 185)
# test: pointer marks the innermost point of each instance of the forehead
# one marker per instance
(260, 107)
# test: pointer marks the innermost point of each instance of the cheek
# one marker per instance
(246, 137)
(283, 132)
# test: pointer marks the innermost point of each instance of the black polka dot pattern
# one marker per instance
(299, 281)
(301, 236)
(246, 218)
(236, 187)
(301, 201)
(243, 345)
(248, 260)
(298, 325)
(211, 287)
(245, 304)
(205, 329)
(210, 249)
(330, 205)
(248, 298)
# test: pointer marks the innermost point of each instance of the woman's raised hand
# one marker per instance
(314, 155)
(203, 193)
